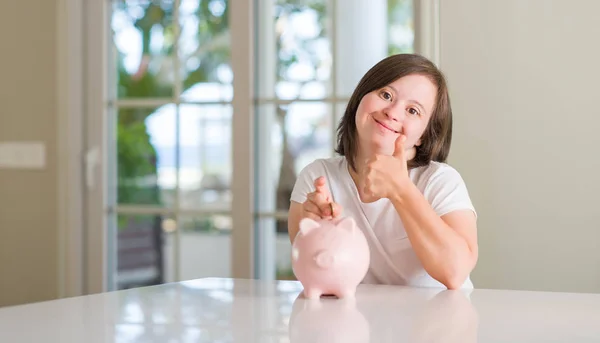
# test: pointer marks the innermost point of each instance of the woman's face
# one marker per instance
(403, 107)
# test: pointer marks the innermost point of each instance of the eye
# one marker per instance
(413, 111)
(385, 95)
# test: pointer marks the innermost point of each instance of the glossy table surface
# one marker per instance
(233, 310)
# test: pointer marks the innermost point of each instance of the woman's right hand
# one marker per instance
(319, 204)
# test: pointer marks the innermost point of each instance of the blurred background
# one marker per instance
(145, 142)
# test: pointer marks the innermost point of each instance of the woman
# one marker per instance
(391, 176)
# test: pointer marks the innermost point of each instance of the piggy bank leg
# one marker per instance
(312, 293)
(347, 293)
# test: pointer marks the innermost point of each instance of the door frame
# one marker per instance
(81, 80)
(70, 143)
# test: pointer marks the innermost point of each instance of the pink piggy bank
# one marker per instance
(330, 257)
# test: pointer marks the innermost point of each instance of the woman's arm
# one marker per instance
(446, 245)
(295, 214)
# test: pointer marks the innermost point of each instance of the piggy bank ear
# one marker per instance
(307, 225)
(347, 223)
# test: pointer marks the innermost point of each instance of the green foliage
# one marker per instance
(137, 158)
(137, 165)
(306, 47)
(400, 12)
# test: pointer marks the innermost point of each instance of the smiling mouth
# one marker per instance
(385, 126)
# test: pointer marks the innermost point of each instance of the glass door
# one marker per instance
(208, 110)
(169, 141)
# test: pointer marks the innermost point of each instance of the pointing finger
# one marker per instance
(321, 187)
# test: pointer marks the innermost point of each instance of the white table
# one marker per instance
(231, 310)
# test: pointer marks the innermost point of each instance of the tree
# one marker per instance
(137, 158)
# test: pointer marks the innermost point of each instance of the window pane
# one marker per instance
(283, 250)
(143, 37)
(205, 155)
(205, 249)
(275, 247)
(141, 259)
(205, 51)
(401, 31)
(289, 138)
(146, 155)
(294, 49)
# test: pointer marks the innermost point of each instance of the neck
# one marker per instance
(359, 163)
(360, 160)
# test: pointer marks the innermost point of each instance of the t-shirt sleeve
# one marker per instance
(446, 191)
(305, 183)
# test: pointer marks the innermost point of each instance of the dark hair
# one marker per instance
(437, 137)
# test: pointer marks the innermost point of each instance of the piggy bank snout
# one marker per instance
(324, 259)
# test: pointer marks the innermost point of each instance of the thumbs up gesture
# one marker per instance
(386, 176)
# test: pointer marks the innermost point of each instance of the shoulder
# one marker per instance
(443, 186)
(324, 166)
(435, 173)
(331, 168)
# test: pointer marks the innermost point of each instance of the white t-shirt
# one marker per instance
(393, 260)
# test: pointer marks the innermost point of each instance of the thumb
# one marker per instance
(399, 147)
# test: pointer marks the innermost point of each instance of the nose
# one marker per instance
(393, 112)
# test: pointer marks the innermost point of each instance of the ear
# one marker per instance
(347, 223)
(418, 143)
(307, 225)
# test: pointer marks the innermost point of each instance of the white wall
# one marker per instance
(524, 79)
